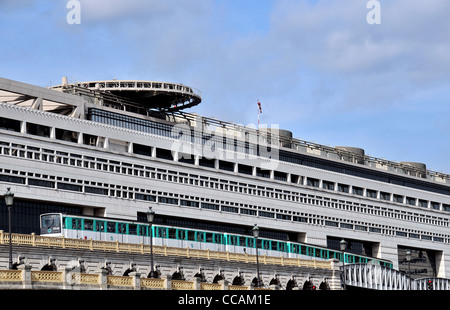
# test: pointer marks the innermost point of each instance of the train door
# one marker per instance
(99, 229)
(110, 231)
(159, 235)
(88, 229)
(122, 230)
(74, 228)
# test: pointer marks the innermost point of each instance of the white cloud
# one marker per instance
(410, 45)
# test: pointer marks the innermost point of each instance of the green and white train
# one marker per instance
(86, 227)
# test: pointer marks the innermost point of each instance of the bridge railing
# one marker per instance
(378, 277)
(28, 279)
(116, 246)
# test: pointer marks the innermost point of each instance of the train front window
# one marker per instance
(50, 224)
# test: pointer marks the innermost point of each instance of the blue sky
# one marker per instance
(318, 68)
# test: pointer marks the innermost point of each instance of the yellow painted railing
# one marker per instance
(57, 279)
(152, 283)
(115, 246)
(10, 275)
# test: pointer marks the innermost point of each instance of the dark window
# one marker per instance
(25, 214)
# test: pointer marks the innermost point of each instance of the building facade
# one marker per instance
(74, 150)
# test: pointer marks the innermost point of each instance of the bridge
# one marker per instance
(376, 277)
(64, 263)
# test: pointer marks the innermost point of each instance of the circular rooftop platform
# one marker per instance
(148, 94)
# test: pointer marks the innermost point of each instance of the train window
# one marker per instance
(50, 220)
(88, 224)
(111, 227)
(76, 224)
(201, 236)
(303, 250)
(263, 244)
(294, 248)
(350, 259)
(142, 230)
(233, 240)
(172, 233)
(209, 237)
(132, 229)
(99, 226)
(64, 222)
(218, 238)
(274, 246)
(250, 242)
(161, 232)
(122, 228)
(242, 241)
(50, 224)
(191, 235)
(181, 234)
(318, 253)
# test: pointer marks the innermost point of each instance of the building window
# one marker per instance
(343, 188)
(435, 205)
(371, 193)
(398, 198)
(328, 185)
(357, 191)
(385, 196)
(312, 182)
(423, 203)
(411, 201)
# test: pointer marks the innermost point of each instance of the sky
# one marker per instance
(318, 67)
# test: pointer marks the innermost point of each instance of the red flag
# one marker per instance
(259, 110)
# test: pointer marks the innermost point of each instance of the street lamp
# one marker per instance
(255, 231)
(9, 199)
(343, 247)
(150, 218)
(408, 259)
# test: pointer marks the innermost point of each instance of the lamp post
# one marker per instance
(150, 218)
(343, 246)
(408, 259)
(9, 199)
(255, 231)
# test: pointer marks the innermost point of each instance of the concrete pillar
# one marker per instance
(224, 284)
(67, 278)
(136, 280)
(197, 284)
(335, 280)
(103, 279)
(26, 276)
(167, 282)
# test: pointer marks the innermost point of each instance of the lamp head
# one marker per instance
(343, 245)
(255, 231)
(9, 197)
(150, 215)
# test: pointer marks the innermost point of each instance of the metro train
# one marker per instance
(105, 229)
